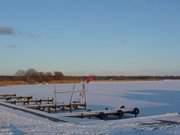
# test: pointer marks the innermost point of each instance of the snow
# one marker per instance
(151, 97)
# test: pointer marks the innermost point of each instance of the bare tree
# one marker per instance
(31, 75)
(58, 75)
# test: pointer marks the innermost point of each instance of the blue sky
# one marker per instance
(129, 37)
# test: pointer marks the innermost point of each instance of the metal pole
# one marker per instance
(55, 96)
(84, 89)
(70, 102)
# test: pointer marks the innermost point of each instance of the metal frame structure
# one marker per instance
(82, 94)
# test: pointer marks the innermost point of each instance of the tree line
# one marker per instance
(32, 75)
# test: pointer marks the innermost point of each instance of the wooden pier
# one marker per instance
(47, 105)
(19, 98)
(4, 96)
(52, 108)
(107, 114)
(50, 105)
(32, 101)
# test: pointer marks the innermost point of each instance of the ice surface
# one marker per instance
(156, 97)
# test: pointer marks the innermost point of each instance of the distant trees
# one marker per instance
(32, 75)
(58, 75)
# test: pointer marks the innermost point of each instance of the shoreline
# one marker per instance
(16, 83)
(124, 81)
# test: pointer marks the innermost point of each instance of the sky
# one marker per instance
(103, 37)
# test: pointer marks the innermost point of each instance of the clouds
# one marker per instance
(6, 31)
(9, 31)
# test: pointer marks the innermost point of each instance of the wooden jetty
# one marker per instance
(8, 97)
(25, 98)
(52, 108)
(43, 107)
(4, 96)
(40, 101)
(32, 101)
(107, 114)
(48, 105)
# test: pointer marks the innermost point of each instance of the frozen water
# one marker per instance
(155, 97)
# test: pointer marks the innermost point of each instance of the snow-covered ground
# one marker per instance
(155, 97)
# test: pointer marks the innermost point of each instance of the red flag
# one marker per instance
(88, 79)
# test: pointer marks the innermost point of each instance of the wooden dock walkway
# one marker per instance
(46, 105)
(107, 114)
(49, 105)
(25, 98)
(52, 108)
(32, 101)
(4, 96)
